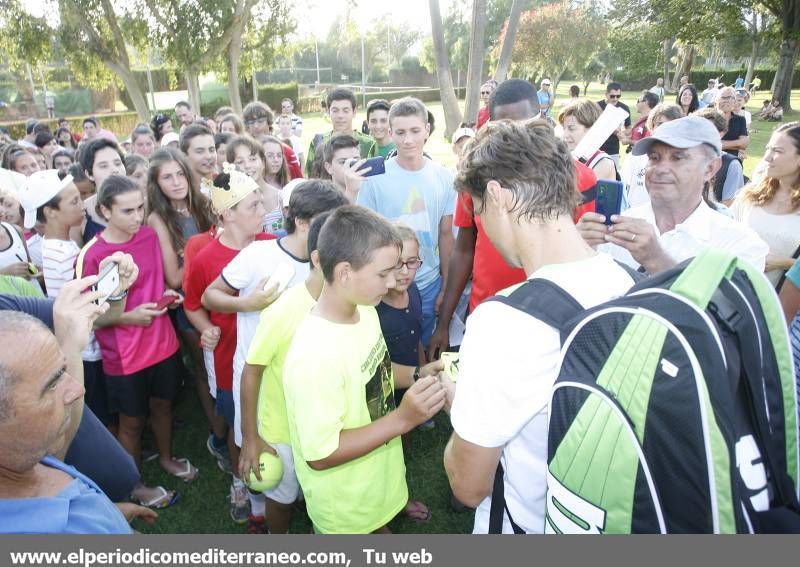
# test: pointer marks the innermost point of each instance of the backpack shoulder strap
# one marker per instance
(542, 299)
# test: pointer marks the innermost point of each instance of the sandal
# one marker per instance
(417, 511)
(165, 499)
(189, 472)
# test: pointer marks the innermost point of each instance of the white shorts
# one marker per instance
(288, 489)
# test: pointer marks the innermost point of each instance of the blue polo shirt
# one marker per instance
(80, 508)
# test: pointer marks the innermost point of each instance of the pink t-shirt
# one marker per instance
(127, 349)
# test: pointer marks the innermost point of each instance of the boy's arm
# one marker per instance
(222, 298)
(446, 245)
(252, 444)
(421, 402)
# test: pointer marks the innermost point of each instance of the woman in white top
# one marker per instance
(771, 207)
(576, 118)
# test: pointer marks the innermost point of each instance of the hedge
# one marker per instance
(700, 78)
(121, 123)
(213, 98)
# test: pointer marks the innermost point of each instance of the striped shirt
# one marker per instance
(58, 259)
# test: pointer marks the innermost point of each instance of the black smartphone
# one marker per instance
(608, 198)
(377, 166)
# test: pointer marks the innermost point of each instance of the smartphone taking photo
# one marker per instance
(377, 166)
(107, 283)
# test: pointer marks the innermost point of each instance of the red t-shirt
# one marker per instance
(291, 160)
(586, 181)
(490, 272)
(639, 130)
(483, 117)
(206, 266)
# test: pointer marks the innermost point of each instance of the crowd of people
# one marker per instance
(314, 297)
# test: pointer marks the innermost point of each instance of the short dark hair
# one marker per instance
(377, 104)
(341, 94)
(41, 127)
(90, 151)
(43, 138)
(574, 90)
(77, 172)
(222, 138)
(336, 143)
(311, 198)
(614, 86)
(113, 186)
(53, 203)
(61, 152)
(184, 104)
(193, 130)
(314, 230)
(352, 234)
(651, 99)
(91, 119)
(513, 91)
(526, 159)
(30, 125)
(142, 130)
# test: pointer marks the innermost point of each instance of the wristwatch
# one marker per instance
(416, 373)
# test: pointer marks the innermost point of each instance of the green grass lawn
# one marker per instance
(203, 507)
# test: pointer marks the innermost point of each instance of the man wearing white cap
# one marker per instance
(677, 224)
(57, 204)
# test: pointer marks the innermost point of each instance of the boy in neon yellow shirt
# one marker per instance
(264, 423)
(344, 426)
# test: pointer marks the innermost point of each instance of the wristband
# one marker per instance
(115, 298)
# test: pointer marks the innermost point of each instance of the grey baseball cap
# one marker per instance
(683, 133)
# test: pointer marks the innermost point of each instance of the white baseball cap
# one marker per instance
(461, 132)
(42, 186)
(12, 181)
(168, 138)
(286, 192)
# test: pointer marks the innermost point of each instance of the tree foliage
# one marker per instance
(557, 37)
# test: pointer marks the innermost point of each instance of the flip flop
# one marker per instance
(189, 472)
(165, 499)
(417, 511)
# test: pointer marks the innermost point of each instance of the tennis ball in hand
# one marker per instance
(271, 469)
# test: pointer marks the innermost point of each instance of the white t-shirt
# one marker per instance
(780, 232)
(58, 263)
(250, 266)
(632, 175)
(703, 229)
(508, 366)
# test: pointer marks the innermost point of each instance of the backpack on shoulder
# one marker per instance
(674, 410)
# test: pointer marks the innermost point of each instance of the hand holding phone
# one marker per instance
(376, 165)
(165, 302)
(608, 199)
(107, 282)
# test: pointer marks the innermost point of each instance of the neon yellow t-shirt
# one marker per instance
(339, 377)
(276, 328)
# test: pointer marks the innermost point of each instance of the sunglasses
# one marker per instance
(486, 92)
(546, 84)
(614, 96)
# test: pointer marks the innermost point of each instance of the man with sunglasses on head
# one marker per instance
(611, 146)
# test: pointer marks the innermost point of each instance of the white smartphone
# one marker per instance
(283, 274)
(107, 283)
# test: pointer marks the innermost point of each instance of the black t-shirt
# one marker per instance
(402, 328)
(737, 127)
(611, 146)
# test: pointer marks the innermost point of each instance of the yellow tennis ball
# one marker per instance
(271, 468)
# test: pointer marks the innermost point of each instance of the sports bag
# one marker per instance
(675, 408)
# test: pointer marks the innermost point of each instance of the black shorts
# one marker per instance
(130, 395)
(96, 397)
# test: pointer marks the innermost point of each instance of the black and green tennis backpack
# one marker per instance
(675, 408)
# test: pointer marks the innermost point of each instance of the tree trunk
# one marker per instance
(751, 65)
(136, 94)
(684, 66)
(193, 85)
(504, 61)
(667, 49)
(782, 87)
(452, 112)
(688, 60)
(477, 52)
(234, 51)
